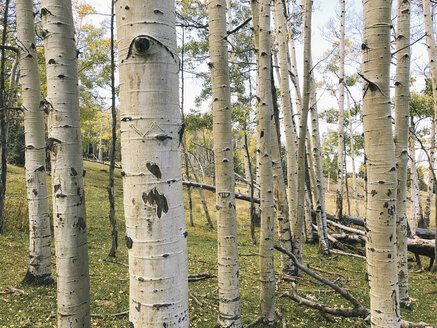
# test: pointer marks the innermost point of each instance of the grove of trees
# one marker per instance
(231, 97)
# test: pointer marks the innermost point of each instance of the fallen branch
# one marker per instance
(360, 312)
(346, 228)
(195, 299)
(337, 288)
(339, 252)
(14, 291)
(116, 262)
(200, 276)
(120, 314)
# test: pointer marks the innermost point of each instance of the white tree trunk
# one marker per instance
(229, 293)
(340, 148)
(354, 176)
(319, 178)
(151, 135)
(264, 134)
(290, 137)
(415, 196)
(39, 269)
(381, 166)
(297, 223)
(402, 95)
(67, 167)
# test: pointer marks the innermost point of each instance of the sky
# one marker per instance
(323, 12)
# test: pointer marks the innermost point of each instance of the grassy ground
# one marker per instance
(109, 280)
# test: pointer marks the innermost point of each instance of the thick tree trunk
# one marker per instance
(297, 222)
(151, 135)
(264, 135)
(340, 148)
(229, 293)
(66, 165)
(39, 269)
(111, 197)
(381, 166)
(402, 93)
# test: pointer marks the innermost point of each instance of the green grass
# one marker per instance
(109, 281)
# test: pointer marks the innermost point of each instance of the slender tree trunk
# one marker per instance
(297, 223)
(352, 145)
(319, 181)
(431, 182)
(282, 211)
(39, 269)
(430, 43)
(111, 198)
(402, 93)
(201, 194)
(151, 135)
(415, 196)
(65, 147)
(264, 134)
(229, 293)
(381, 166)
(340, 159)
(290, 136)
(3, 120)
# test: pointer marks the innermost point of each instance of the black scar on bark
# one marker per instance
(81, 224)
(129, 242)
(73, 172)
(142, 44)
(153, 197)
(154, 169)
(131, 324)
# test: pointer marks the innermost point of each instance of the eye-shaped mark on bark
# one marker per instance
(143, 43)
(153, 197)
(154, 169)
(158, 12)
(73, 172)
(56, 187)
(40, 169)
(181, 133)
(51, 61)
(129, 242)
(61, 76)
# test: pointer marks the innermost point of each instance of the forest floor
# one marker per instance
(109, 276)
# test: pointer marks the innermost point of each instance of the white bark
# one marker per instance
(298, 222)
(318, 167)
(415, 196)
(354, 177)
(264, 134)
(151, 132)
(39, 269)
(290, 137)
(381, 166)
(402, 93)
(340, 148)
(430, 43)
(229, 293)
(67, 167)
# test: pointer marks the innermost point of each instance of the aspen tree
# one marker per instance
(402, 95)
(151, 135)
(297, 223)
(352, 147)
(65, 147)
(229, 292)
(264, 136)
(319, 178)
(381, 166)
(340, 148)
(430, 43)
(39, 269)
(286, 106)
